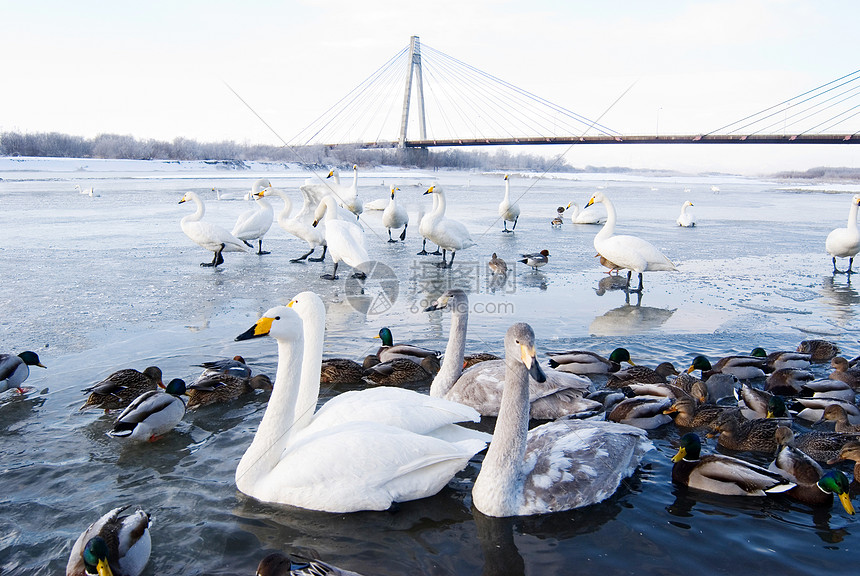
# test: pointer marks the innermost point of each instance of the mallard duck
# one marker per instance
(343, 370)
(585, 362)
(665, 390)
(720, 386)
(742, 367)
(470, 360)
(688, 415)
(234, 366)
(753, 402)
(641, 374)
(277, 564)
(14, 369)
(388, 350)
(821, 446)
(843, 372)
(401, 371)
(152, 413)
(836, 413)
(788, 381)
(813, 408)
(646, 412)
(693, 386)
(819, 350)
(220, 388)
(782, 359)
(812, 485)
(721, 474)
(738, 434)
(850, 451)
(120, 388)
(112, 545)
(826, 388)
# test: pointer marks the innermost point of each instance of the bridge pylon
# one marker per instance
(414, 70)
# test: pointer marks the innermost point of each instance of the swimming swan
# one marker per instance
(345, 240)
(314, 236)
(450, 235)
(558, 466)
(509, 211)
(206, 235)
(591, 215)
(395, 216)
(845, 242)
(686, 219)
(629, 252)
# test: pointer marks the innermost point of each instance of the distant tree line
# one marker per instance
(115, 146)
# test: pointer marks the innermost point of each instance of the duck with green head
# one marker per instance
(14, 369)
(782, 359)
(741, 367)
(389, 351)
(586, 362)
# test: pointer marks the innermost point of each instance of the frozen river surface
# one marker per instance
(95, 284)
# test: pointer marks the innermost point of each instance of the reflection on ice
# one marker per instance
(629, 319)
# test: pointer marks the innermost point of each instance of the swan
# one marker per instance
(480, 386)
(363, 450)
(14, 369)
(591, 215)
(345, 240)
(449, 235)
(395, 216)
(845, 242)
(557, 466)
(314, 236)
(206, 235)
(86, 191)
(347, 196)
(630, 252)
(151, 414)
(686, 219)
(254, 223)
(113, 544)
(508, 211)
(425, 222)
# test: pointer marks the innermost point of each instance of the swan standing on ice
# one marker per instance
(449, 235)
(845, 242)
(347, 196)
(509, 211)
(254, 223)
(363, 450)
(206, 235)
(345, 240)
(558, 466)
(395, 216)
(425, 222)
(629, 252)
(314, 236)
(686, 219)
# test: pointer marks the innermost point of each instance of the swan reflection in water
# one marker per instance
(627, 319)
(840, 296)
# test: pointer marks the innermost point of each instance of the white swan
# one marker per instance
(629, 252)
(508, 211)
(448, 234)
(206, 235)
(86, 191)
(558, 466)
(686, 219)
(425, 222)
(845, 242)
(347, 196)
(395, 216)
(254, 223)
(345, 240)
(480, 386)
(314, 236)
(342, 459)
(590, 215)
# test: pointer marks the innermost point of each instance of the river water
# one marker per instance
(96, 284)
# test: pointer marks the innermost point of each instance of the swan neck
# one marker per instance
(852, 217)
(452, 365)
(198, 214)
(309, 388)
(439, 208)
(609, 227)
(507, 191)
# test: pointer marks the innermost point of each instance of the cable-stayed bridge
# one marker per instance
(422, 98)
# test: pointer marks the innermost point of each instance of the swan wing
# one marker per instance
(450, 234)
(632, 253)
(346, 242)
(210, 237)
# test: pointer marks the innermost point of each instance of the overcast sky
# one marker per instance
(159, 69)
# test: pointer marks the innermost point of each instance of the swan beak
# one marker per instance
(183, 200)
(528, 353)
(315, 223)
(330, 174)
(439, 304)
(103, 568)
(680, 455)
(590, 202)
(261, 328)
(430, 190)
(845, 498)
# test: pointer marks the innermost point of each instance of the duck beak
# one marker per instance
(680, 455)
(671, 409)
(103, 568)
(261, 328)
(631, 362)
(691, 369)
(845, 498)
(528, 353)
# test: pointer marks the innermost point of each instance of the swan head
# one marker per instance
(322, 210)
(188, 197)
(309, 306)
(280, 322)
(454, 299)
(596, 197)
(331, 173)
(520, 347)
(435, 189)
(856, 200)
(393, 189)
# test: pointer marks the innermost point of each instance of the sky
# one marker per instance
(165, 69)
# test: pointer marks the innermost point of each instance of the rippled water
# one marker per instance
(98, 284)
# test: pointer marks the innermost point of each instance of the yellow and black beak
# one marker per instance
(590, 202)
(261, 328)
(430, 190)
(527, 354)
(680, 455)
(182, 200)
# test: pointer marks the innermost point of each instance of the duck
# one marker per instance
(628, 252)
(389, 351)
(825, 388)
(112, 545)
(254, 223)
(812, 485)
(559, 217)
(686, 219)
(400, 372)
(820, 446)
(720, 474)
(590, 215)
(449, 234)
(788, 381)
(536, 259)
(497, 266)
(345, 240)
(660, 389)
(395, 216)
(741, 367)
(560, 465)
(641, 374)
(481, 385)
(688, 415)
(745, 435)
(221, 388)
(347, 196)
(837, 414)
(646, 412)
(753, 402)
(813, 408)
(782, 359)
(234, 366)
(842, 371)
(206, 235)
(472, 359)
(613, 268)
(151, 414)
(586, 362)
(341, 371)
(850, 451)
(278, 564)
(15, 369)
(314, 459)
(314, 237)
(819, 350)
(845, 242)
(509, 211)
(120, 388)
